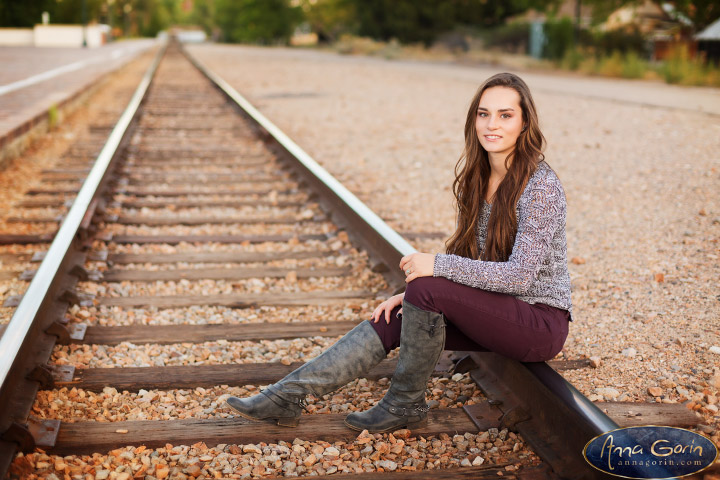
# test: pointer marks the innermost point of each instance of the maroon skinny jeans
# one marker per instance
(479, 320)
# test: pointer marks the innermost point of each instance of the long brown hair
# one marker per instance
(472, 174)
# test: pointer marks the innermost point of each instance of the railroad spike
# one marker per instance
(38, 256)
(60, 331)
(77, 298)
(98, 256)
(83, 274)
(20, 434)
(12, 301)
(43, 375)
(379, 267)
(27, 275)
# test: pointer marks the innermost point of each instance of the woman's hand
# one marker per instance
(387, 306)
(417, 265)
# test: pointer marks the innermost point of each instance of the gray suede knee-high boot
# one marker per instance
(349, 358)
(422, 340)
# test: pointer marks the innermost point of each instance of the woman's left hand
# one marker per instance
(417, 265)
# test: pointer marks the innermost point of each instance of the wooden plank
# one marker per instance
(171, 377)
(52, 191)
(88, 437)
(237, 300)
(145, 178)
(204, 182)
(175, 239)
(628, 414)
(133, 379)
(62, 177)
(190, 130)
(157, 150)
(148, 162)
(213, 257)
(144, 192)
(220, 273)
(9, 275)
(169, 334)
(44, 203)
(8, 239)
(10, 258)
(483, 472)
(173, 170)
(66, 171)
(175, 112)
(210, 202)
(204, 219)
(140, 192)
(42, 219)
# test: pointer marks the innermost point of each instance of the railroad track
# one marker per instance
(207, 255)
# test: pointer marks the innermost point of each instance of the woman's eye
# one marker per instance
(482, 114)
(505, 115)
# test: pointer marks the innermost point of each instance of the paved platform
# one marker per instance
(33, 79)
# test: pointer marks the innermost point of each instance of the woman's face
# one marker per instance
(499, 120)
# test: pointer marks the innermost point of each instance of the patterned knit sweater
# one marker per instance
(537, 270)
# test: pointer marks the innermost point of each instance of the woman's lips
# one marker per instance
(492, 138)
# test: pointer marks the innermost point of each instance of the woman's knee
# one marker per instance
(420, 292)
(389, 333)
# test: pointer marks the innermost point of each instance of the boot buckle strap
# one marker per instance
(408, 412)
(431, 332)
(300, 402)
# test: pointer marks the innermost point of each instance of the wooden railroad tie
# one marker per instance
(244, 300)
(182, 220)
(89, 437)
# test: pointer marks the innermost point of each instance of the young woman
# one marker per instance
(503, 285)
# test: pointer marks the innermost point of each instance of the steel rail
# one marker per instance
(22, 320)
(588, 420)
(383, 241)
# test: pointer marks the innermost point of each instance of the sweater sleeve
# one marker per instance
(538, 221)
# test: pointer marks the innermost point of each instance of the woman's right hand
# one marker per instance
(387, 307)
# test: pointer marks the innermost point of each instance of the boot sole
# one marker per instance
(283, 422)
(409, 426)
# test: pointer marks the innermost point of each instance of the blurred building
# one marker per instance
(709, 41)
(56, 36)
(663, 26)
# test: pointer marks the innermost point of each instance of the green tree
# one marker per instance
(330, 18)
(203, 15)
(70, 11)
(153, 16)
(23, 14)
(256, 21)
(406, 20)
(423, 20)
(486, 13)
